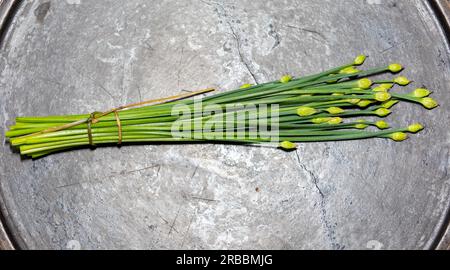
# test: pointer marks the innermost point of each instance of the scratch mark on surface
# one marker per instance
(122, 81)
(223, 16)
(78, 184)
(139, 93)
(172, 227)
(188, 228)
(241, 56)
(180, 68)
(327, 224)
(157, 172)
(142, 169)
(112, 175)
(165, 221)
(393, 46)
(147, 45)
(195, 171)
(275, 35)
(310, 31)
(69, 185)
(203, 199)
(311, 175)
(96, 83)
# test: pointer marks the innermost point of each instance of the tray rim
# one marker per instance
(7, 239)
(442, 10)
(11, 241)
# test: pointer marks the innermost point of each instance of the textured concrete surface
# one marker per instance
(76, 56)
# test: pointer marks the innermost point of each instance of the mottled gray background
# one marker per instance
(77, 56)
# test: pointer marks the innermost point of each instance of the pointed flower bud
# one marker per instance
(387, 86)
(306, 111)
(379, 89)
(364, 83)
(353, 101)
(421, 93)
(286, 145)
(415, 128)
(389, 104)
(335, 121)
(331, 81)
(429, 103)
(382, 125)
(359, 60)
(246, 86)
(335, 110)
(349, 70)
(403, 81)
(364, 103)
(320, 120)
(382, 96)
(395, 68)
(399, 136)
(382, 112)
(286, 79)
(361, 126)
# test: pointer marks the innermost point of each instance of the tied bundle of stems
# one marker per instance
(327, 106)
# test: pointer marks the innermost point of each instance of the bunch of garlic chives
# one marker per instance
(315, 108)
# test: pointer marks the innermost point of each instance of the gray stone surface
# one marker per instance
(77, 56)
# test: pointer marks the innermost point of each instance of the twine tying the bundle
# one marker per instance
(95, 116)
(93, 119)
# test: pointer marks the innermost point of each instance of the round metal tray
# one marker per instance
(75, 56)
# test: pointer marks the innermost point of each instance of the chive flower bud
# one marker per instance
(399, 136)
(382, 96)
(401, 80)
(335, 121)
(380, 89)
(382, 125)
(320, 120)
(389, 104)
(420, 93)
(353, 101)
(359, 60)
(395, 68)
(286, 145)
(361, 126)
(387, 86)
(306, 111)
(429, 103)
(349, 70)
(335, 110)
(286, 79)
(331, 81)
(382, 112)
(246, 86)
(364, 83)
(364, 103)
(415, 128)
